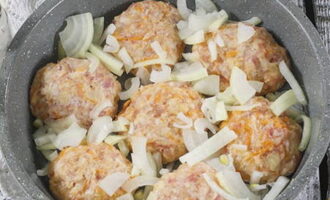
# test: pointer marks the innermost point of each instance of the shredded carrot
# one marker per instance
(231, 54)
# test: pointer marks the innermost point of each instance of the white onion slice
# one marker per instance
(207, 5)
(184, 11)
(202, 124)
(108, 31)
(157, 61)
(192, 139)
(283, 102)
(48, 146)
(99, 130)
(212, 50)
(244, 32)
(158, 160)
(214, 186)
(78, 34)
(255, 177)
(114, 139)
(258, 187)
(253, 21)
(126, 58)
(43, 171)
(224, 162)
(112, 45)
(191, 57)
(112, 182)
(120, 125)
(289, 77)
(44, 139)
(209, 147)
(164, 171)
(279, 185)
(214, 110)
(127, 196)
(139, 156)
(123, 148)
(240, 86)
(307, 132)
(186, 72)
(144, 75)
(70, 137)
(49, 154)
(131, 128)
(62, 124)
(219, 41)
(196, 38)
(158, 49)
(257, 85)
(99, 108)
(227, 97)
(94, 62)
(112, 63)
(187, 122)
(98, 29)
(222, 18)
(40, 132)
(209, 85)
(233, 183)
(134, 88)
(139, 181)
(161, 76)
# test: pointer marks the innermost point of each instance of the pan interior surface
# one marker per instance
(35, 45)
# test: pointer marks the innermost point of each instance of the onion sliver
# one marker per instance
(183, 9)
(219, 41)
(285, 71)
(214, 110)
(209, 147)
(144, 75)
(233, 183)
(70, 137)
(44, 139)
(108, 31)
(192, 139)
(126, 58)
(139, 156)
(240, 86)
(255, 177)
(78, 34)
(112, 63)
(212, 49)
(153, 62)
(307, 132)
(94, 62)
(97, 110)
(187, 122)
(257, 85)
(253, 21)
(38, 123)
(158, 160)
(192, 72)
(98, 29)
(48, 146)
(120, 125)
(112, 45)
(191, 57)
(279, 185)
(139, 181)
(222, 18)
(164, 171)
(283, 102)
(196, 38)
(99, 130)
(257, 187)
(112, 182)
(127, 196)
(214, 186)
(244, 32)
(227, 97)
(43, 171)
(209, 85)
(158, 49)
(203, 124)
(134, 87)
(49, 155)
(62, 124)
(123, 148)
(207, 5)
(161, 76)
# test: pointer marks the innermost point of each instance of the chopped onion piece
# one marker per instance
(257, 187)
(214, 110)
(161, 76)
(240, 86)
(233, 183)
(112, 45)
(158, 49)
(187, 122)
(112, 63)
(212, 49)
(192, 139)
(157, 61)
(207, 5)
(94, 62)
(202, 124)
(127, 196)
(257, 85)
(120, 125)
(183, 9)
(38, 123)
(307, 132)
(139, 156)
(241, 108)
(131, 129)
(209, 147)
(139, 181)
(214, 186)
(97, 110)
(62, 124)
(164, 171)
(44, 139)
(227, 97)
(49, 155)
(192, 72)
(134, 87)
(114, 139)
(228, 161)
(209, 85)
(196, 38)
(48, 146)
(144, 75)
(112, 182)
(123, 148)
(108, 31)
(222, 18)
(255, 177)
(70, 137)
(98, 29)
(253, 21)
(219, 41)
(215, 164)
(279, 185)
(158, 160)
(244, 32)
(289, 77)
(126, 58)
(43, 171)
(78, 34)
(283, 102)
(39, 132)
(191, 57)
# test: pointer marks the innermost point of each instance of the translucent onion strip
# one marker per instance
(126, 58)
(108, 31)
(202, 124)
(187, 122)
(241, 89)
(209, 85)
(189, 72)
(134, 88)
(94, 62)
(244, 32)
(112, 45)
(98, 29)
(70, 137)
(99, 130)
(139, 181)
(183, 9)
(212, 50)
(195, 38)
(253, 21)
(283, 102)
(279, 185)
(307, 133)
(112, 182)
(158, 49)
(161, 76)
